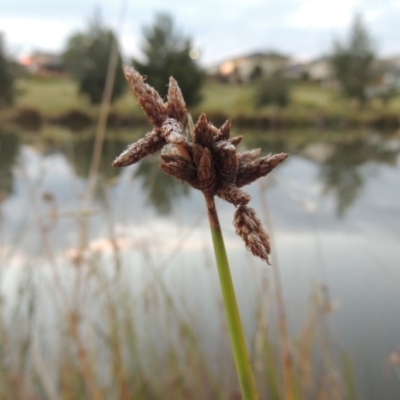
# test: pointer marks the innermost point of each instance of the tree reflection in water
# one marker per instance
(9, 148)
(161, 189)
(343, 174)
(80, 156)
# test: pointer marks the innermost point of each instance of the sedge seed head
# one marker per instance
(207, 161)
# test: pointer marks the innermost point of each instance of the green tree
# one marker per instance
(7, 90)
(9, 149)
(168, 53)
(352, 62)
(272, 90)
(256, 73)
(86, 57)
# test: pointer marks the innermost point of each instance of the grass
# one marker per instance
(311, 103)
(57, 96)
(50, 97)
(230, 99)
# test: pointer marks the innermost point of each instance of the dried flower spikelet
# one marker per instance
(227, 162)
(214, 130)
(248, 156)
(206, 172)
(235, 140)
(186, 150)
(180, 168)
(150, 101)
(171, 130)
(197, 153)
(249, 228)
(203, 133)
(233, 195)
(251, 171)
(144, 147)
(224, 133)
(176, 107)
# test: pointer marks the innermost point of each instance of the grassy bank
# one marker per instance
(58, 101)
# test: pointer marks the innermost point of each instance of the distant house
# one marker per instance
(249, 67)
(390, 72)
(294, 70)
(320, 70)
(43, 64)
(387, 78)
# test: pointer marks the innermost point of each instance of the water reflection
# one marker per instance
(161, 190)
(344, 165)
(343, 173)
(270, 143)
(9, 148)
(80, 156)
(342, 160)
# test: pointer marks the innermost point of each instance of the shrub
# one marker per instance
(272, 90)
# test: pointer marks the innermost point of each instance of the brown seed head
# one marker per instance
(203, 133)
(206, 172)
(209, 162)
(224, 133)
(235, 140)
(171, 131)
(149, 144)
(197, 153)
(180, 168)
(150, 101)
(250, 171)
(248, 156)
(176, 107)
(232, 194)
(249, 228)
(227, 162)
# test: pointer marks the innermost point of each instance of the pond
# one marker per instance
(332, 210)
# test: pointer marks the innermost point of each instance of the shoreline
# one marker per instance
(76, 120)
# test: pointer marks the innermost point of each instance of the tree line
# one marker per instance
(167, 52)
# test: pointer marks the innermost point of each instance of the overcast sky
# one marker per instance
(219, 28)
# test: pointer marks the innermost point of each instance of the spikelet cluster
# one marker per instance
(207, 160)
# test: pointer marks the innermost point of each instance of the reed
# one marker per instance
(208, 161)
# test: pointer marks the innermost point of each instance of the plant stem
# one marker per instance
(240, 353)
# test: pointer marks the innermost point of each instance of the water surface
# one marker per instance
(332, 209)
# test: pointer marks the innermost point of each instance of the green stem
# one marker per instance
(238, 342)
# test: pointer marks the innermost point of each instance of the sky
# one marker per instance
(220, 29)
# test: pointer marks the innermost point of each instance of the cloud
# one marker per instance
(219, 28)
(28, 33)
(317, 14)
